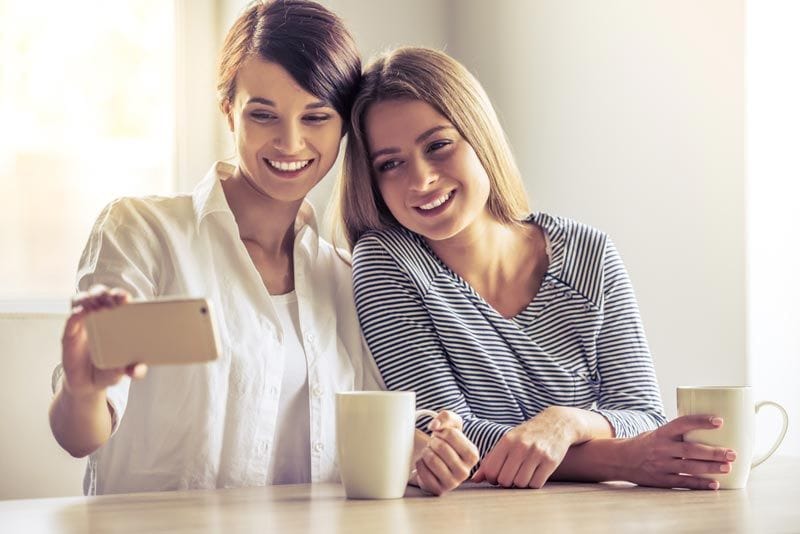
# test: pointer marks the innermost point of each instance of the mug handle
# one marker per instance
(777, 443)
(423, 413)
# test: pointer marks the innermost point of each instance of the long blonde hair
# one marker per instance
(417, 73)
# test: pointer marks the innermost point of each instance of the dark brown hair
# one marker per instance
(303, 37)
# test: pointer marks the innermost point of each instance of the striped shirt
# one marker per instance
(580, 342)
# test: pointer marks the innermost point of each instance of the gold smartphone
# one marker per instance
(159, 331)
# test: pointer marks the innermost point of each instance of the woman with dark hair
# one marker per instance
(247, 240)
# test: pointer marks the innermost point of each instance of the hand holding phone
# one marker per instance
(159, 331)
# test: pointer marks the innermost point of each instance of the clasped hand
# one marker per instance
(447, 458)
(529, 453)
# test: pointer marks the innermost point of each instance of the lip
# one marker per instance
(438, 209)
(288, 175)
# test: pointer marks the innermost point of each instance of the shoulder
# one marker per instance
(578, 253)
(573, 235)
(395, 253)
(399, 246)
(147, 213)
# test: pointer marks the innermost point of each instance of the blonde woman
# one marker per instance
(524, 324)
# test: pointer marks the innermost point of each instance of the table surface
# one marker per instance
(771, 503)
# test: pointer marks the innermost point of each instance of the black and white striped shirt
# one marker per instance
(579, 343)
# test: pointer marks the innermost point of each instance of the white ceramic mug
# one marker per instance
(737, 408)
(375, 442)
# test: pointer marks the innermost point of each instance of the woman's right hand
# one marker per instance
(81, 378)
(661, 458)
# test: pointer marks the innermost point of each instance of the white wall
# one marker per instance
(31, 462)
(628, 115)
(773, 219)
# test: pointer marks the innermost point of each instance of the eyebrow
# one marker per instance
(267, 102)
(424, 135)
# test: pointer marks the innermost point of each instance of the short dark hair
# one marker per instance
(303, 37)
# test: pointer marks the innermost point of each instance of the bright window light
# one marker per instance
(86, 115)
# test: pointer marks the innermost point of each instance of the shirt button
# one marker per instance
(587, 306)
(566, 294)
(263, 447)
(310, 338)
(318, 446)
(317, 390)
(273, 391)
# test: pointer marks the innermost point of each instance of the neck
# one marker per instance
(488, 254)
(261, 219)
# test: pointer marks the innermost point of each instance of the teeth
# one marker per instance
(438, 202)
(288, 165)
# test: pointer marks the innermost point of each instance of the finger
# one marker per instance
(525, 473)
(494, 461)
(446, 419)
(427, 480)
(457, 468)
(439, 468)
(686, 481)
(119, 295)
(478, 477)
(542, 474)
(510, 468)
(461, 444)
(699, 451)
(73, 327)
(696, 467)
(681, 425)
(136, 370)
(99, 297)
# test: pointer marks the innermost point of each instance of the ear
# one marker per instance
(227, 109)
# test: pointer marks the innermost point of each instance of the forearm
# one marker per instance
(577, 424)
(80, 425)
(597, 460)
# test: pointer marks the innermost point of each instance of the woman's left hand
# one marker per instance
(529, 453)
(448, 457)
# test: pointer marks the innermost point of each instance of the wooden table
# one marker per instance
(771, 503)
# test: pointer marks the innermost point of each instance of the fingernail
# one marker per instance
(435, 425)
(730, 456)
(716, 421)
(725, 468)
(713, 485)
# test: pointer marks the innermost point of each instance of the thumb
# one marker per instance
(446, 419)
(478, 476)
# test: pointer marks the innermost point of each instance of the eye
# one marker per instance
(317, 118)
(261, 116)
(438, 145)
(388, 165)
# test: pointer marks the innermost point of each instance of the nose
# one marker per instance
(422, 175)
(289, 138)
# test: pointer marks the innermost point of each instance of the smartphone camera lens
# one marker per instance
(203, 310)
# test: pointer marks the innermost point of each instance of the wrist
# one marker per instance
(571, 424)
(618, 458)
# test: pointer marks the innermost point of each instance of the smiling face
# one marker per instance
(286, 138)
(429, 176)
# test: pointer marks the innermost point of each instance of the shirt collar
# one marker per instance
(568, 264)
(208, 197)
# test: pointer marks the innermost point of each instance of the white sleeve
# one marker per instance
(119, 253)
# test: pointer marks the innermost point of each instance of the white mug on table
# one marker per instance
(375, 441)
(737, 408)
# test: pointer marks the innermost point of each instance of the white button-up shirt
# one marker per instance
(213, 425)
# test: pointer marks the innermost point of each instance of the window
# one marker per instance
(87, 114)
